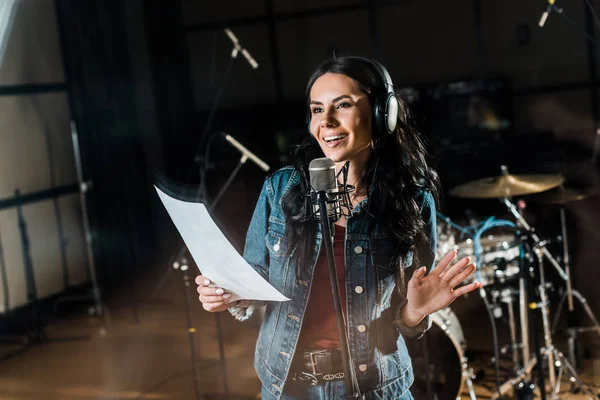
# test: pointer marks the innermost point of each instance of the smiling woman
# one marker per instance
(354, 117)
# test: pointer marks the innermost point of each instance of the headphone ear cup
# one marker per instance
(391, 112)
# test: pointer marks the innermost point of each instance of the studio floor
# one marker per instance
(145, 353)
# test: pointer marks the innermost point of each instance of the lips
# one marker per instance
(334, 140)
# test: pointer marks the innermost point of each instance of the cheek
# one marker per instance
(314, 127)
(363, 127)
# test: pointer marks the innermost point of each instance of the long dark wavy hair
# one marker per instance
(392, 176)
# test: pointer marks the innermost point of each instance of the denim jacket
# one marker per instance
(378, 353)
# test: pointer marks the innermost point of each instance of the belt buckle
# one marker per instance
(313, 363)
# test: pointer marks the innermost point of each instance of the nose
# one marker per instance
(328, 120)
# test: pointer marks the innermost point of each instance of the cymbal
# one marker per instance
(563, 196)
(507, 186)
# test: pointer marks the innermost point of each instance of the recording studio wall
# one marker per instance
(36, 155)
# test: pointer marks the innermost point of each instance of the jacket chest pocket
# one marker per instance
(276, 243)
(279, 261)
(384, 270)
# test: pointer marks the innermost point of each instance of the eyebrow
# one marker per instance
(344, 96)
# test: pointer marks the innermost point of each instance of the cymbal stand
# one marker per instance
(555, 357)
(569, 293)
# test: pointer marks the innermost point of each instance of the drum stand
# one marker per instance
(554, 357)
(572, 331)
(507, 296)
(468, 375)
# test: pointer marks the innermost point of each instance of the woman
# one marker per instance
(353, 117)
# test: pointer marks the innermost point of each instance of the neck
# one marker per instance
(355, 169)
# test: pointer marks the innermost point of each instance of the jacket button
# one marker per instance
(362, 367)
(358, 289)
(361, 328)
(358, 249)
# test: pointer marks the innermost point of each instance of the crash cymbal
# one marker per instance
(563, 196)
(507, 186)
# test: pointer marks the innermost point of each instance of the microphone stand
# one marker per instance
(179, 259)
(321, 197)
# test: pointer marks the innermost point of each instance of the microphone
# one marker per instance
(322, 178)
(237, 48)
(247, 153)
(546, 13)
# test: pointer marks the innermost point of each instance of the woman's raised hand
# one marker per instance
(427, 294)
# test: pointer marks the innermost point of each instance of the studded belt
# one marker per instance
(317, 366)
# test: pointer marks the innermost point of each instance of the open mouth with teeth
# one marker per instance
(335, 138)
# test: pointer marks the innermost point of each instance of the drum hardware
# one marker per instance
(503, 188)
(468, 376)
(507, 296)
(562, 198)
(556, 359)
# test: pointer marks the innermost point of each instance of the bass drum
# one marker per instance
(436, 359)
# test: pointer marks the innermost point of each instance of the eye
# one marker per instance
(344, 105)
(316, 110)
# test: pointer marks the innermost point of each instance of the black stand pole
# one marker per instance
(339, 317)
(533, 332)
(191, 328)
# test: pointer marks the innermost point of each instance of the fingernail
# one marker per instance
(206, 282)
(226, 295)
(219, 291)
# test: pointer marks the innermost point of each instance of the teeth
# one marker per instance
(336, 137)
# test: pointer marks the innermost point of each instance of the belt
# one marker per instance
(316, 366)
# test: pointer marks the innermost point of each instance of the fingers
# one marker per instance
(444, 262)
(466, 289)
(451, 272)
(420, 273)
(212, 298)
(462, 275)
(417, 275)
(202, 280)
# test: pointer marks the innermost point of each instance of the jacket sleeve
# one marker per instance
(426, 257)
(255, 250)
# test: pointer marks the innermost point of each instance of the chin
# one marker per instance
(335, 157)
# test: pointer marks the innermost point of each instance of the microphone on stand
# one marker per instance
(247, 153)
(322, 178)
(324, 196)
(546, 13)
(237, 47)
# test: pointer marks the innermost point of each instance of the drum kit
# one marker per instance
(510, 269)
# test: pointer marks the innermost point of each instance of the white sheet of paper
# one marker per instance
(217, 259)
